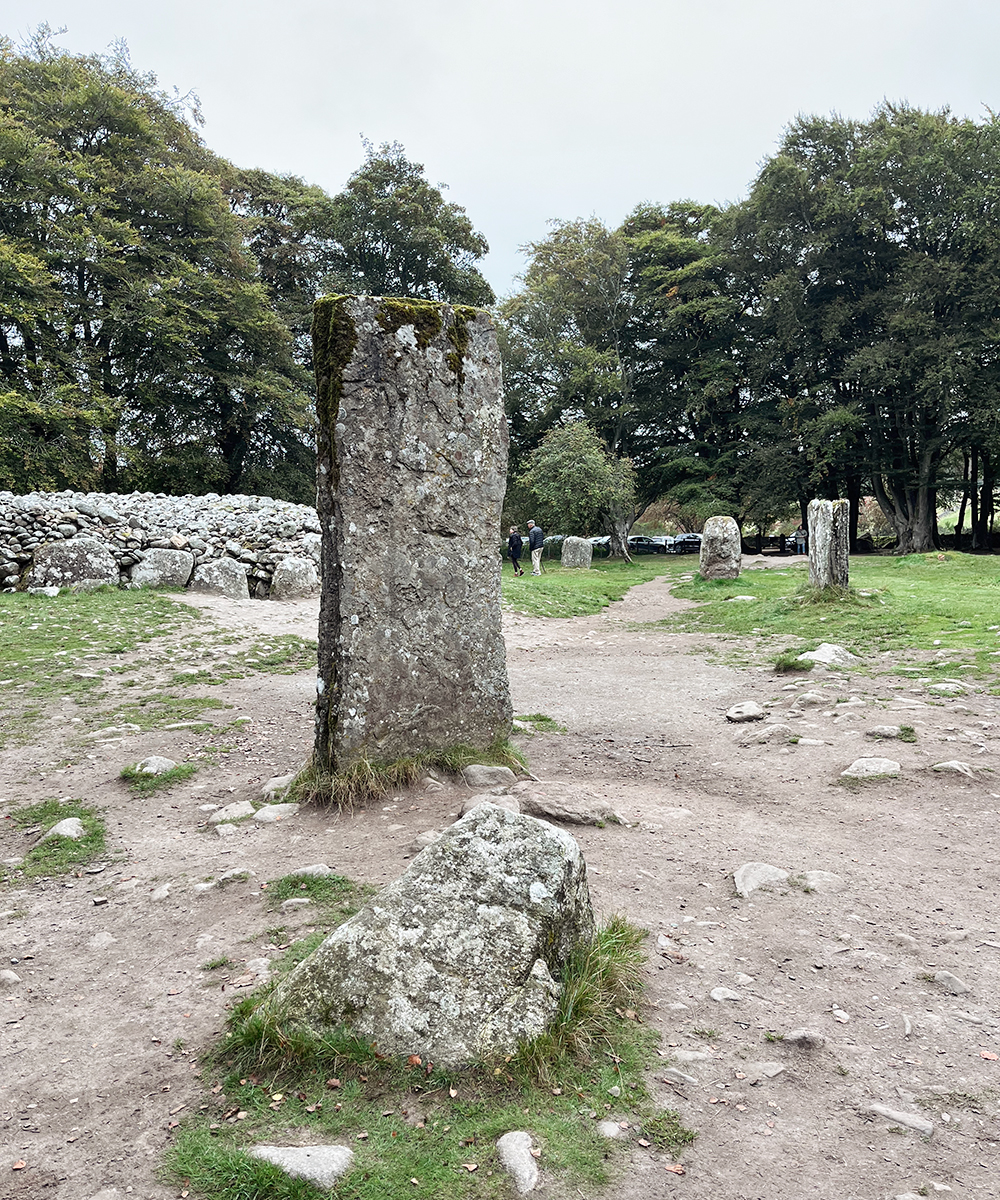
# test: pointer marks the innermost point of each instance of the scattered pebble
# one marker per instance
(747, 711)
(155, 764)
(514, 1152)
(909, 1120)
(754, 875)
(720, 994)
(951, 983)
(870, 768)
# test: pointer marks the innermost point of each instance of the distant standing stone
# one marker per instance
(294, 577)
(221, 577)
(748, 710)
(829, 543)
(514, 1152)
(720, 549)
(163, 568)
(577, 552)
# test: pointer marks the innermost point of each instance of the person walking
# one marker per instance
(514, 545)
(536, 540)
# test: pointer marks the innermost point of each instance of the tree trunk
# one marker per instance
(959, 524)
(911, 511)
(620, 521)
(854, 502)
(974, 497)
(981, 539)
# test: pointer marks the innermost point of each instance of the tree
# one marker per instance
(577, 485)
(128, 286)
(397, 236)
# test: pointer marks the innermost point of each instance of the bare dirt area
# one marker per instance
(99, 1040)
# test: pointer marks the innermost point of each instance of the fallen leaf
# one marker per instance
(174, 992)
(333, 1083)
(677, 1169)
(538, 1153)
(453, 1092)
(388, 1112)
(989, 1055)
(642, 1142)
(19, 1165)
(361, 1136)
(470, 1167)
(414, 1060)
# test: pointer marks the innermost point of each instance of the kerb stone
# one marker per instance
(829, 543)
(412, 459)
(720, 555)
(577, 552)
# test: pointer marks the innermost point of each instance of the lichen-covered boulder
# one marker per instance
(222, 577)
(459, 959)
(294, 577)
(81, 562)
(720, 555)
(577, 552)
(163, 568)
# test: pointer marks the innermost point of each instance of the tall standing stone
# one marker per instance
(829, 543)
(721, 552)
(412, 460)
(577, 552)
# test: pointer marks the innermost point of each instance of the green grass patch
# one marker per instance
(929, 602)
(540, 723)
(285, 654)
(364, 780)
(415, 1129)
(160, 709)
(574, 593)
(216, 964)
(66, 645)
(337, 896)
(142, 784)
(907, 733)
(788, 661)
(57, 855)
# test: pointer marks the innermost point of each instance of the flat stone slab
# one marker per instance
(871, 768)
(721, 994)
(770, 733)
(824, 881)
(909, 1120)
(508, 802)
(753, 875)
(232, 812)
(954, 767)
(322, 1165)
(571, 803)
(886, 732)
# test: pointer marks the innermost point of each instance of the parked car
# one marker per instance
(640, 544)
(685, 543)
(602, 546)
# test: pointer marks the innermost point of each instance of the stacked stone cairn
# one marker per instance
(268, 547)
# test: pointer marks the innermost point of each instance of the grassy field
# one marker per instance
(574, 593)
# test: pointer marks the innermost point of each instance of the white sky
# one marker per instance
(535, 109)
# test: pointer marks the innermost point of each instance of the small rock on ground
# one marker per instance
(9, 979)
(155, 764)
(831, 655)
(753, 875)
(319, 870)
(823, 881)
(951, 983)
(954, 767)
(424, 839)
(883, 731)
(480, 775)
(749, 710)
(805, 1039)
(555, 800)
(720, 994)
(508, 802)
(276, 785)
(275, 812)
(909, 1120)
(232, 812)
(69, 827)
(610, 1129)
(322, 1165)
(514, 1152)
(870, 768)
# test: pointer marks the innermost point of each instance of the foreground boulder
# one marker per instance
(163, 568)
(457, 960)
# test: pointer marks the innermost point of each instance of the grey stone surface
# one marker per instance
(577, 552)
(484, 775)
(951, 983)
(720, 549)
(748, 710)
(805, 1039)
(824, 881)
(753, 875)
(830, 655)
(271, 813)
(611, 1130)
(770, 733)
(294, 577)
(572, 803)
(514, 1152)
(155, 764)
(886, 732)
(871, 768)
(163, 568)
(317, 870)
(321, 1165)
(508, 802)
(412, 460)
(83, 562)
(276, 785)
(829, 543)
(953, 767)
(427, 836)
(231, 812)
(721, 994)
(69, 827)
(221, 577)
(455, 959)
(9, 979)
(909, 1120)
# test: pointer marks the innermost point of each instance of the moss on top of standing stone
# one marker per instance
(423, 315)
(334, 339)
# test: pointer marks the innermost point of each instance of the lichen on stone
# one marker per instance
(334, 340)
(423, 315)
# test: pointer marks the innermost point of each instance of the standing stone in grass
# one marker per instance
(83, 562)
(720, 549)
(577, 552)
(829, 543)
(412, 460)
(457, 960)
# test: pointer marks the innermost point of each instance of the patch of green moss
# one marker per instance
(334, 339)
(458, 335)
(423, 315)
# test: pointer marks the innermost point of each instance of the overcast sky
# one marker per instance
(538, 109)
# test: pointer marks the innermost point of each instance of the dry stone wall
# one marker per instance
(157, 538)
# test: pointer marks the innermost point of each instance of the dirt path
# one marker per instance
(99, 1039)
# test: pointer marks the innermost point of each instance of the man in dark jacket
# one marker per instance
(536, 540)
(514, 544)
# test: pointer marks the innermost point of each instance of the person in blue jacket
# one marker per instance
(536, 540)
